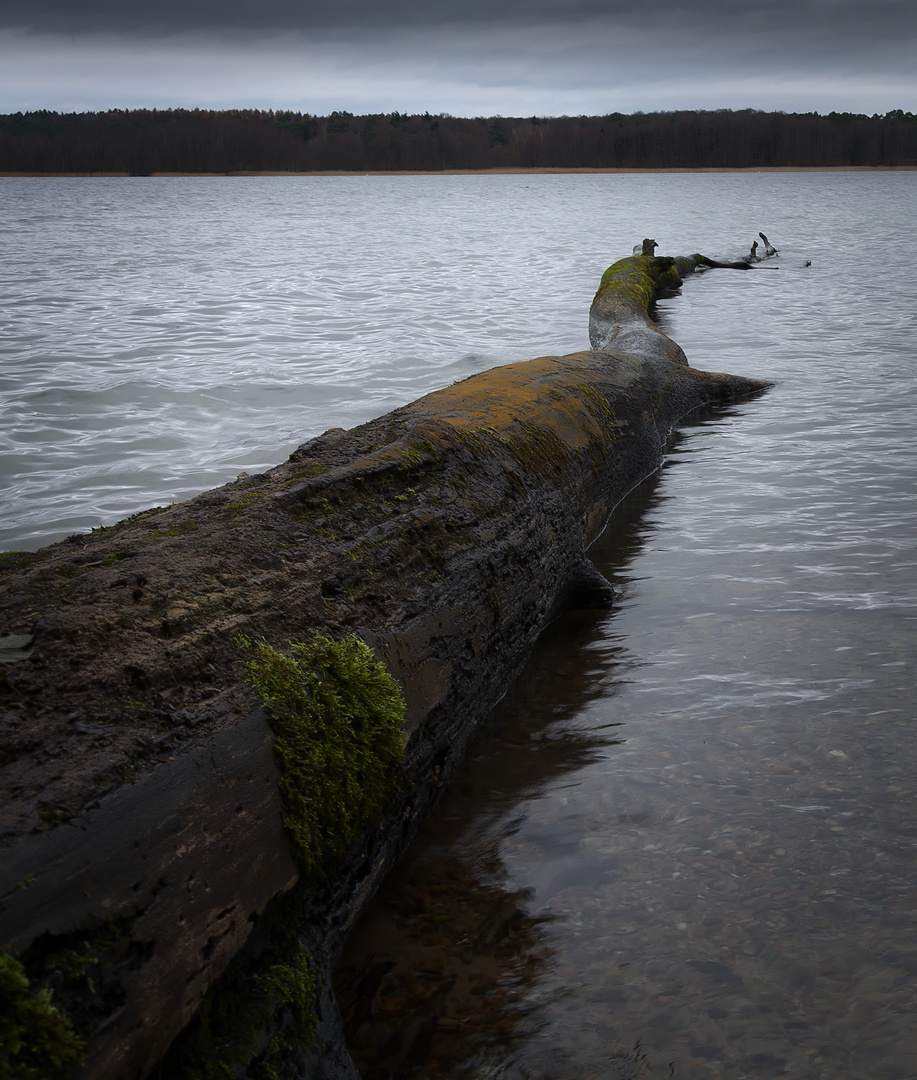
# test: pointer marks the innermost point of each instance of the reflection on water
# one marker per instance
(459, 955)
(441, 975)
(443, 971)
(691, 820)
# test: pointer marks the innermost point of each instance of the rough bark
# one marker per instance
(139, 784)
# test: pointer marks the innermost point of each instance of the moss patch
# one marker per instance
(337, 716)
(237, 506)
(638, 279)
(116, 556)
(16, 560)
(290, 982)
(629, 278)
(84, 969)
(76, 957)
(229, 1030)
(307, 473)
(418, 454)
(537, 450)
(181, 528)
(37, 1042)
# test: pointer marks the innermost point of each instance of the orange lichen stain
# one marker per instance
(544, 413)
(545, 393)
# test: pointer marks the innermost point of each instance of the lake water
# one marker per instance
(686, 843)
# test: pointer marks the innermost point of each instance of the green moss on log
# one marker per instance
(180, 528)
(76, 956)
(37, 1041)
(628, 278)
(290, 982)
(637, 280)
(537, 449)
(337, 716)
(227, 1036)
(16, 560)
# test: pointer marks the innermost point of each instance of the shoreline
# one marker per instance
(503, 170)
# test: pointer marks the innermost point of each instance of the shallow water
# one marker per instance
(686, 843)
(692, 821)
(689, 828)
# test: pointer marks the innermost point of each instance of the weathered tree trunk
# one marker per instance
(142, 822)
(619, 317)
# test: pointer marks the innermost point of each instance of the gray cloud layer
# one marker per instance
(484, 56)
(880, 19)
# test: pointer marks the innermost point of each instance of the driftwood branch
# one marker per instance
(620, 314)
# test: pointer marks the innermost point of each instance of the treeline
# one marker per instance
(145, 141)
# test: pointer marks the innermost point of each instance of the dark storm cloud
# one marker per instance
(265, 16)
(879, 20)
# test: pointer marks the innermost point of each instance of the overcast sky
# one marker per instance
(471, 58)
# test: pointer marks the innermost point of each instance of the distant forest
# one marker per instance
(141, 142)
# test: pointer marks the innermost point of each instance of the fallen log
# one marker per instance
(619, 316)
(157, 867)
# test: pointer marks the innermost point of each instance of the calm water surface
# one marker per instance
(686, 842)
